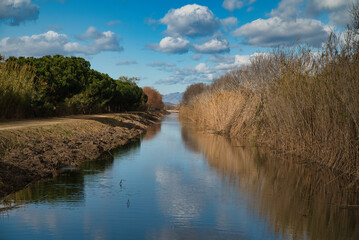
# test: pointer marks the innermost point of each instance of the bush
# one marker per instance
(154, 98)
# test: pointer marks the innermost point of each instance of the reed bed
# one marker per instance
(292, 100)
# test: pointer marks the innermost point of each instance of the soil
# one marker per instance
(33, 150)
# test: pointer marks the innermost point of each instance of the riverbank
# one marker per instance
(31, 153)
(290, 101)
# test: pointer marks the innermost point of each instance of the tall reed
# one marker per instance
(294, 100)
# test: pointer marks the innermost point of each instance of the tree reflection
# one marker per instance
(68, 186)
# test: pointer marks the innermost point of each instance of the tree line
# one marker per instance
(59, 85)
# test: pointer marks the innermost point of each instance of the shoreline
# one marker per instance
(32, 153)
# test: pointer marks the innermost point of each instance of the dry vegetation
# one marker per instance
(154, 98)
(295, 100)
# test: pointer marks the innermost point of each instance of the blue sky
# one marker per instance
(167, 44)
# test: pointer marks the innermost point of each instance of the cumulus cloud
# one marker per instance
(199, 73)
(14, 12)
(178, 45)
(203, 72)
(54, 43)
(171, 45)
(276, 31)
(213, 46)
(337, 10)
(91, 33)
(226, 63)
(287, 9)
(190, 20)
(125, 62)
(231, 5)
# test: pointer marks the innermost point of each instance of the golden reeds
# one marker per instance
(292, 100)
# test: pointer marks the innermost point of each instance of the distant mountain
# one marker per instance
(172, 98)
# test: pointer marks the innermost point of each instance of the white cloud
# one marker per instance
(213, 46)
(202, 68)
(276, 31)
(114, 22)
(54, 43)
(160, 64)
(227, 62)
(190, 20)
(231, 5)
(199, 73)
(287, 9)
(337, 10)
(330, 4)
(230, 21)
(91, 33)
(196, 56)
(203, 72)
(55, 28)
(171, 45)
(125, 62)
(14, 12)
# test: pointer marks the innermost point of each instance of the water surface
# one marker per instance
(179, 183)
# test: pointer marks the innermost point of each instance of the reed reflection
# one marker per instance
(299, 200)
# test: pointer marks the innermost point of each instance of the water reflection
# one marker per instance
(299, 200)
(152, 131)
(68, 186)
(184, 184)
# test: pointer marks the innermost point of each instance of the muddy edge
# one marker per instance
(33, 153)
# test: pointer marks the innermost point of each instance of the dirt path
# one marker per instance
(15, 124)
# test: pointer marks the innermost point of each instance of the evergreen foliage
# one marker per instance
(67, 85)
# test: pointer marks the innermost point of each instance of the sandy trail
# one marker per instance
(16, 124)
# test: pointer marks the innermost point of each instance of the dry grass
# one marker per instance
(292, 100)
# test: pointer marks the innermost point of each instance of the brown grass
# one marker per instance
(292, 100)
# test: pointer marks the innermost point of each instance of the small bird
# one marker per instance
(122, 180)
(128, 203)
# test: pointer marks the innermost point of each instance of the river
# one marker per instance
(176, 182)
